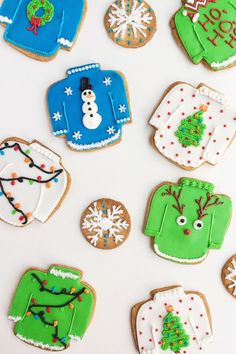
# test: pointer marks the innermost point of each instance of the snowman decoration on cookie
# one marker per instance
(91, 118)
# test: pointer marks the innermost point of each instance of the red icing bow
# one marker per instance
(35, 22)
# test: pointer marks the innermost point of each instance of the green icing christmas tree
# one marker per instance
(192, 129)
(174, 336)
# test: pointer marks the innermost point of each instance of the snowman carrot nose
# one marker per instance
(187, 232)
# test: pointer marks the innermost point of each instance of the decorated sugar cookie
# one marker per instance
(173, 321)
(130, 23)
(106, 224)
(33, 182)
(52, 308)
(193, 125)
(89, 107)
(39, 28)
(187, 219)
(207, 31)
(229, 276)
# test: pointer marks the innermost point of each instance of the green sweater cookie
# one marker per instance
(207, 30)
(51, 308)
(187, 219)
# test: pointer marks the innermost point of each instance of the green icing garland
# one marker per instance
(174, 336)
(192, 129)
(38, 21)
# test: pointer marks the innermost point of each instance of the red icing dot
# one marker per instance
(208, 103)
(161, 136)
(169, 113)
(181, 89)
(177, 312)
(195, 108)
(168, 102)
(218, 153)
(203, 147)
(180, 301)
(201, 315)
(168, 127)
(16, 148)
(192, 298)
(189, 152)
(150, 339)
(150, 308)
(165, 304)
(160, 316)
(54, 340)
(200, 158)
(193, 95)
(39, 178)
(210, 118)
(156, 330)
(234, 118)
(176, 155)
(158, 116)
(143, 318)
(207, 333)
(194, 338)
(182, 100)
(142, 348)
(163, 147)
(13, 183)
(183, 113)
(221, 111)
(172, 143)
(48, 310)
(210, 134)
(225, 125)
(140, 333)
(189, 161)
(228, 139)
(197, 327)
(214, 141)
(190, 309)
(185, 323)
(45, 282)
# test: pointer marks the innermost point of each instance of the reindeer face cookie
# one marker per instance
(187, 219)
(106, 224)
(229, 276)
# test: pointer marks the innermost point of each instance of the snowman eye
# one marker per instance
(85, 93)
(89, 92)
(198, 225)
(181, 220)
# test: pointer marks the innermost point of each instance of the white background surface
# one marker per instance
(127, 172)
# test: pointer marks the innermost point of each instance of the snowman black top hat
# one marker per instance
(85, 84)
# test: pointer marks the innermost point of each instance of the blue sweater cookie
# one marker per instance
(41, 27)
(89, 107)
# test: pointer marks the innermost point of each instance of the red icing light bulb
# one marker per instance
(187, 232)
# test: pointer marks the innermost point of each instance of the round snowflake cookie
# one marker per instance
(106, 224)
(130, 23)
(229, 276)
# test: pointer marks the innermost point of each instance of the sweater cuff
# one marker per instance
(5, 19)
(169, 294)
(65, 42)
(15, 318)
(46, 152)
(76, 338)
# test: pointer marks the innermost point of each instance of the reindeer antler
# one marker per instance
(202, 209)
(170, 192)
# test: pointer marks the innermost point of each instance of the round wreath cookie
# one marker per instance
(229, 276)
(130, 23)
(52, 308)
(172, 321)
(207, 31)
(106, 224)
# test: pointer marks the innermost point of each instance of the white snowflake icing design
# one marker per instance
(112, 223)
(77, 135)
(122, 108)
(57, 116)
(232, 276)
(107, 81)
(138, 18)
(111, 130)
(68, 91)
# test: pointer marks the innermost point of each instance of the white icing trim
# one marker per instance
(60, 132)
(231, 276)
(45, 152)
(94, 145)
(5, 19)
(206, 91)
(3, 218)
(82, 68)
(169, 294)
(152, 351)
(59, 273)
(39, 344)
(179, 260)
(15, 318)
(75, 338)
(65, 42)
(123, 120)
(225, 63)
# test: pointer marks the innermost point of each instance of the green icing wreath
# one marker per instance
(38, 21)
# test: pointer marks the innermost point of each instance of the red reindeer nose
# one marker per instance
(187, 232)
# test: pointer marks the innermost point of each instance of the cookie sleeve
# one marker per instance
(71, 19)
(220, 220)
(118, 97)
(186, 31)
(82, 316)
(57, 109)
(21, 298)
(199, 320)
(8, 10)
(220, 140)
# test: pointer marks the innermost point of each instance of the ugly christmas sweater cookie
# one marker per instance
(51, 308)
(130, 23)
(39, 28)
(187, 219)
(106, 224)
(207, 31)
(33, 182)
(173, 321)
(89, 107)
(193, 125)
(229, 276)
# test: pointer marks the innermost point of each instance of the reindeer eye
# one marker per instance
(198, 225)
(181, 220)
